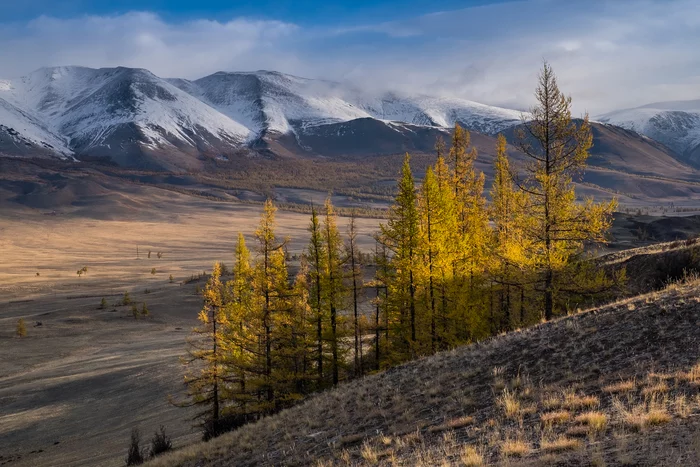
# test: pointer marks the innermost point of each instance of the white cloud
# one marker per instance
(607, 54)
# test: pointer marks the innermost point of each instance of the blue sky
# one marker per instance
(608, 54)
(303, 12)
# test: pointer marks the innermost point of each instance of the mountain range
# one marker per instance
(263, 122)
(675, 124)
(136, 119)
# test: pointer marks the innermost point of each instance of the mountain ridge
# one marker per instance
(137, 119)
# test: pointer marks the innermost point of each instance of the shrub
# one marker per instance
(144, 309)
(153, 271)
(21, 328)
(160, 442)
(134, 311)
(170, 279)
(103, 304)
(127, 299)
(135, 455)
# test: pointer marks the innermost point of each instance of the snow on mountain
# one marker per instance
(271, 101)
(22, 133)
(128, 115)
(91, 107)
(676, 124)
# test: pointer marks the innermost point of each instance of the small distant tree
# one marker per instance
(21, 328)
(149, 254)
(153, 271)
(159, 254)
(170, 279)
(103, 304)
(134, 311)
(135, 456)
(80, 273)
(160, 442)
(127, 299)
(144, 309)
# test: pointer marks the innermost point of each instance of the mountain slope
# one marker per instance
(127, 115)
(21, 134)
(267, 101)
(614, 383)
(675, 124)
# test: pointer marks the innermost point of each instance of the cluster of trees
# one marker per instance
(449, 268)
(267, 340)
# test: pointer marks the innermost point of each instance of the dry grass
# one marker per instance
(573, 401)
(621, 387)
(691, 376)
(510, 404)
(560, 444)
(655, 390)
(515, 448)
(455, 423)
(471, 457)
(369, 453)
(652, 412)
(558, 417)
(595, 421)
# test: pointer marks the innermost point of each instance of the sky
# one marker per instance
(608, 54)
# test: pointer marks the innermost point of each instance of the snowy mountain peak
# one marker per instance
(674, 123)
(127, 114)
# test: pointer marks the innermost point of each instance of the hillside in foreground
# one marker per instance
(617, 385)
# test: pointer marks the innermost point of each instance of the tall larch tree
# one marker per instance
(269, 272)
(333, 285)
(316, 259)
(509, 259)
(401, 235)
(557, 148)
(354, 262)
(205, 379)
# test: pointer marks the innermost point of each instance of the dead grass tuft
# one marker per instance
(368, 453)
(621, 387)
(573, 401)
(691, 376)
(510, 404)
(596, 421)
(515, 448)
(555, 418)
(560, 444)
(657, 389)
(470, 457)
(453, 424)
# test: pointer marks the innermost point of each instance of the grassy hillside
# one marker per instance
(616, 385)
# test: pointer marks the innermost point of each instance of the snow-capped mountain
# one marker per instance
(137, 119)
(269, 101)
(675, 124)
(122, 113)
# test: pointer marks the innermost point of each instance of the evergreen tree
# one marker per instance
(355, 261)
(316, 255)
(557, 149)
(400, 235)
(509, 265)
(206, 377)
(269, 277)
(333, 285)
